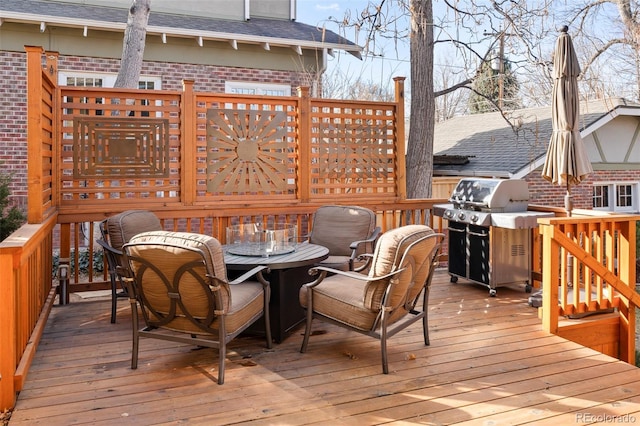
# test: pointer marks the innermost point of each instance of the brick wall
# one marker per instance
(13, 149)
(207, 78)
(13, 121)
(544, 193)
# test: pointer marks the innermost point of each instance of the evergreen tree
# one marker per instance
(486, 95)
(10, 218)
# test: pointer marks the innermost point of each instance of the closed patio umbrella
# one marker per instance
(567, 162)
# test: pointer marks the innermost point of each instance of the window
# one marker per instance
(601, 197)
(624, 195)
(84, 81)
(616, 196)
(89, 79)
(251, 88)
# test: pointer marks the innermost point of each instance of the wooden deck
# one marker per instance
(489, 362)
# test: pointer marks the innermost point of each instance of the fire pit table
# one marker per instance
(288, 263)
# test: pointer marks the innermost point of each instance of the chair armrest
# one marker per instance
(323, 270)
(371, 239)
(257, 271)
(113, 255)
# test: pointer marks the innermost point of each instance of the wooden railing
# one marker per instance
(77, 233)
(589, 267)
(25, 300)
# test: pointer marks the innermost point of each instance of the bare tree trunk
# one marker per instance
(133, 44)
(420, 143)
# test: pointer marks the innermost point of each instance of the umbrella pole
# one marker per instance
(567, 197)
(568, 204)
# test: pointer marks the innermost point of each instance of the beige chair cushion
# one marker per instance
(358, 302)
(340, 298)
(207, 244)
(336, 227)
(387, 258)
(240, 302)
(125, 225)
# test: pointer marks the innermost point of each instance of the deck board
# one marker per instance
(489, 362)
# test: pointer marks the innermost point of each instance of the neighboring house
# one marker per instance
(232, 46)
(485, 145)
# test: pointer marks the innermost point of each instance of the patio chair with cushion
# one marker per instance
(179, 280)
(384, 301)
(347, 231)
(116, 231)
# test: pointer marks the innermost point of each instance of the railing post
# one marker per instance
(189, 144)
(304, 144)
(65, 246)
(35, 211)
(401, 169)
(627, 272)
(56, 158)
(8, 338)
(550, 270)
(627, 244)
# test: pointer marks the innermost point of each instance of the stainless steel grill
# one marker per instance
(490, 232)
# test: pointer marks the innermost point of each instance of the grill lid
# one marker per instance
(495, 195)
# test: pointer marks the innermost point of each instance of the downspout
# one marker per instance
(318, 80)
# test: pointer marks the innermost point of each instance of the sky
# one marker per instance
(376, 69)
(388, 62)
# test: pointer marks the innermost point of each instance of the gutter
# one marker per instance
(164, 32)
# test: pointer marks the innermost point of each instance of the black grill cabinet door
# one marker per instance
(479, 264)
(458, 249)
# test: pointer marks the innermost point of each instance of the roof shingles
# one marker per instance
(495, 148)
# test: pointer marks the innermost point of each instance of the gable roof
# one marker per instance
(495, 149)
(268, 32)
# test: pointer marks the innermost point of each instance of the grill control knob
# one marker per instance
(474, 218)
(461, 216)
(448, 213)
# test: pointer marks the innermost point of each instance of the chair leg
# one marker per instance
(307, 330)
(267, 318)
(222, 353)
(135, 335)
(114, 298)
(383, 346)
(425, 318)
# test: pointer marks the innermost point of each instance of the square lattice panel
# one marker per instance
(110, 147)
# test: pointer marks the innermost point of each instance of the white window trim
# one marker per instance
(635, 196)
(260, 88)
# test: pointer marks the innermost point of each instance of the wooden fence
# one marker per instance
(202, 151)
